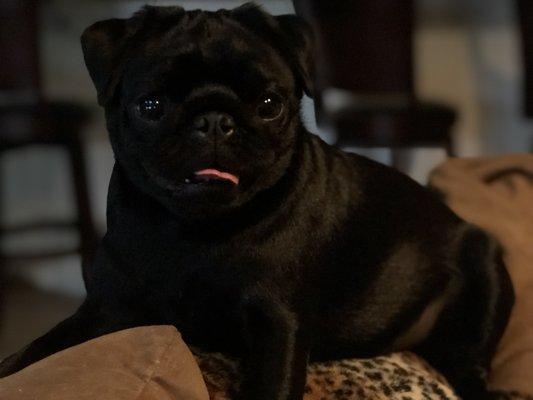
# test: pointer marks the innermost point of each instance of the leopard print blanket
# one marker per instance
(398, 376)
(401, 376)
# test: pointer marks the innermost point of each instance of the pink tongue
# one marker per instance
(218, 174)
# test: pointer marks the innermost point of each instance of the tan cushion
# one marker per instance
(496, 193)
(136, 364)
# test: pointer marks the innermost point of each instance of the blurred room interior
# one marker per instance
(465, 57)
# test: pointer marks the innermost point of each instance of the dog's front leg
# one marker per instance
(275, 365)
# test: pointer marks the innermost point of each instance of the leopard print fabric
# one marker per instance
(398, 376)
(401, 376)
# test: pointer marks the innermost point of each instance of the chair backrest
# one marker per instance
(525, 13)
(19, 50)
(366, 45)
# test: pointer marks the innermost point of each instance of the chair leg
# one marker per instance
(448, 147)
(88, 236)
(2, 258)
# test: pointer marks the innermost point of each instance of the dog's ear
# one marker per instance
(300, 43)
(103, 44)
(292, 36)
(106, 44)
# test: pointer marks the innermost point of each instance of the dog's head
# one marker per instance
(202, 107)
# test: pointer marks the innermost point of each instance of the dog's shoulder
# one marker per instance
(375, 187)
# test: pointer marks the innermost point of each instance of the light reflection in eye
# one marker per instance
(270, 107)
(151, 108)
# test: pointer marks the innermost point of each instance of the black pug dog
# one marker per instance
(227, 219)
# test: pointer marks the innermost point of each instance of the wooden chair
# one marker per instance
(27, 119)
(525, 18)
(365, 80)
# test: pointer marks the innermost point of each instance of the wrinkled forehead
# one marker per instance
(210, 48)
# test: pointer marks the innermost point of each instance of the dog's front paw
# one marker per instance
(10, 365)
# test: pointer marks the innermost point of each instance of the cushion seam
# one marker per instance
(155, 366)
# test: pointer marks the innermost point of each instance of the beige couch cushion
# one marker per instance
(136, 364)
(496, 193)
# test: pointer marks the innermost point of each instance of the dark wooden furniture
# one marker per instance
(525, 19)
(365, 60)
(27, 119)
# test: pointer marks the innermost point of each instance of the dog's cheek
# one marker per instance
(115, 127)
(259, 150)
(123, 136)
(283, 135)
(271, 141)
(142, 138)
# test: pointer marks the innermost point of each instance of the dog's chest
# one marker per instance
(211, 283)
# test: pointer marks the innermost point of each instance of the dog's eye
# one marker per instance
(151, 108)
(270, 107)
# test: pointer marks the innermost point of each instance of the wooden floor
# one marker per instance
(29, 312)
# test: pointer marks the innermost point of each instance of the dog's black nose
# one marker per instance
(214, 124)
